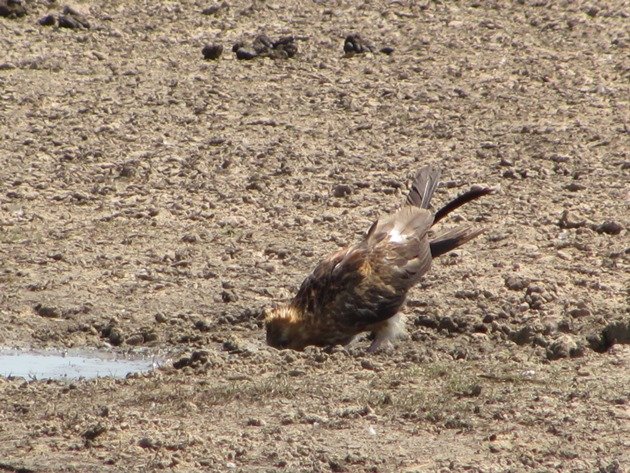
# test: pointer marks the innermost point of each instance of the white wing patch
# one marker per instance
(395, 236)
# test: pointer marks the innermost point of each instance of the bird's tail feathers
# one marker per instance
(452, 239)
(423, 187)
(472, 194)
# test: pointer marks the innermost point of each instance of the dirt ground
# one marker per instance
(154, 200)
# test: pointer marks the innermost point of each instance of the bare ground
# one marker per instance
(151, 199)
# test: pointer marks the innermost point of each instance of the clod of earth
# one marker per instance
(356, 44)
(12, 8)
(212, 51)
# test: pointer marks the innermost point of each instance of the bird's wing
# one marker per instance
(367, 283)
(400, 251)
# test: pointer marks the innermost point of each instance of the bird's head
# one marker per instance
(285, 328)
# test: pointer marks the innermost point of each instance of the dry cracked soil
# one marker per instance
(153, 200)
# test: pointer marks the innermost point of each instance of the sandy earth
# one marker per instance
(154, 200)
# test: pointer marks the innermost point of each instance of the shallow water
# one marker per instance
(72, 364)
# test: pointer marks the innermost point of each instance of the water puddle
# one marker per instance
(73, 364)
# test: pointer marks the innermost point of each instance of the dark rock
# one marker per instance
(47, 311)
(262, 44)
(355, 44)
(523, 336)
(196, 359)
(12, 8)
(203, 326)
(229, 296)
(48, 20)
(286, 45)
(135, 339)
(387, 50)
(94, 431)
(116, 336)
(566, 221)
(342, 190)
(609, 227)
(245, 54)
(68, 21)
(71, 18)
(212, 51)
(211, 10)
(575, 187)
(448, 324)
(516, 283)
(614, 332)
(564, 347)
(426, 321)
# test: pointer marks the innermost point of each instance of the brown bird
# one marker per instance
(361, 288)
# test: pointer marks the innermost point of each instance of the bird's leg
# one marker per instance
(376, 343)
(393, 328)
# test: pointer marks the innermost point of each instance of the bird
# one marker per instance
(362, 288)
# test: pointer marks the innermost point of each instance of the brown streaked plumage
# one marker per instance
(361, 288)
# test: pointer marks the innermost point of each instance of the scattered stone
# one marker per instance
(615, 332)
(47, 311)
(71, 18)
(387, 50)
(355, 44)
(516, 283)
(195, 360)
(12, 8)
(609, 227)
(255, 422)
(235, 344)
(354, 412)
(263, 46)
(116, 336)
(448, 324)
(212, 51)
(580, 312)
(371, 365)
(523, 336)
(191, 238)
(48, 20)
(135, 339)
(213, 9)
(94, 431)
(566, 221)
(286, 45)
(203, 326)
(244, 54)
(146, 442)
(342, 190)
(68, 22)
(564, 347)
(229, 296)
(575, 187)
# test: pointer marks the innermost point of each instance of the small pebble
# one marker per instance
(212, 51)
(245, 54)
(609, 227)
(341, 190)
(48, 20)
